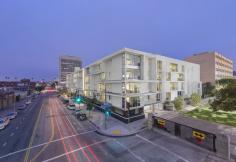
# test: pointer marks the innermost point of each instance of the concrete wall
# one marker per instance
(217, 143)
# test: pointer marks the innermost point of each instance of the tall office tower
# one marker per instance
(67, 65)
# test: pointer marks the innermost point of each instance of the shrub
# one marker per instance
(168, 105)
(195, 99)
(179, 103)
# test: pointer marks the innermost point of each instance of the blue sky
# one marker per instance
(33, 33)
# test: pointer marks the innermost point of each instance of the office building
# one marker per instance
(67, 65)
(213, 66)
(132, 80)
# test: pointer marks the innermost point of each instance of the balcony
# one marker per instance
(132, 88)
(133, 61)
(132, 102)
(133, 74)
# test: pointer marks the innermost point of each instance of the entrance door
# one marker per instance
(177, 130)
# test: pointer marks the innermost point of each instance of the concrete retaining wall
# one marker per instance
(217, 143)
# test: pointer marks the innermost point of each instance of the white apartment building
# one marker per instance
(131, 80)
(74, 81)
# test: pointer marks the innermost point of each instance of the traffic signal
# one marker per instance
(78, 99)
(107, 113)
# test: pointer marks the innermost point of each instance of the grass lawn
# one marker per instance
(222, 117)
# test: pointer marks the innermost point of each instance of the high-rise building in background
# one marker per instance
(67, 66)
(213, 66)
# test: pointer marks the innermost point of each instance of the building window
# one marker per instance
(133, 74)
(168, 96)
(158, 97)
(109, 97)
(168, 78)
(132, 102)
(158, 86)
(148, 97)
(159, 65)
(159, 75)
(173, 86)
(173, 67)
(180, 77)
(133, 60)
(132, 88)
(180, 93)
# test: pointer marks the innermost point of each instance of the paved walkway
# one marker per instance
(115, 127)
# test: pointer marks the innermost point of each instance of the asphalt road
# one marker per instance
(46, 131)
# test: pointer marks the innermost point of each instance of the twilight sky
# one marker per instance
(33, 33)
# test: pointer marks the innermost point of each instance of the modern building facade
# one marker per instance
(67, 65)
(74, 81)
(213, 66)
(131, 80)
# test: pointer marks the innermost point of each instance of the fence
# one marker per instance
(218, 143)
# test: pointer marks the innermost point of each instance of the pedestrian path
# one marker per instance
(114, 127)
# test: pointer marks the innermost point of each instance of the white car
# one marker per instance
(21, 107)
(4, 122)
(71, 107)
(28, 102)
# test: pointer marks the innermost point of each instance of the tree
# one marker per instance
(195, 99)
(179, 103)
(89, 107)
(208, 89)
(225, 82)
(225, 98)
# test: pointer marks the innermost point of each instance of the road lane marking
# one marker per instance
(33, 134)
(45, 146)
(5, 143)
(12, 134)
(42, 144)
(163, 148)
(80, 148)
(131, 152)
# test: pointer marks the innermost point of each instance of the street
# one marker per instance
(46, 131)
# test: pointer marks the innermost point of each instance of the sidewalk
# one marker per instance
(114, 127)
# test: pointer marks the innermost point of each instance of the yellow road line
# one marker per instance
(33, 134)
(51, 138)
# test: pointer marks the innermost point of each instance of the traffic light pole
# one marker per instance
(105, 122)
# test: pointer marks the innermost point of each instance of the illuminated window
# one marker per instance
(173, 67)
(173, 86)
(158, 86)
(168, 95)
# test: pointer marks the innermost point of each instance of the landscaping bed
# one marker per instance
(205, 113)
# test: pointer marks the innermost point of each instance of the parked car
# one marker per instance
(21, 107)
(82, 115)
(11, 115)
(28, 102)
(71, 107)
(76, 112)
(4, 122)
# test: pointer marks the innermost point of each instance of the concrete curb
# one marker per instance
(99, 131)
